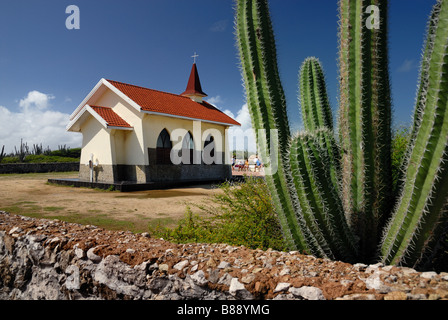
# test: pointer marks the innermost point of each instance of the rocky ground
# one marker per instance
(238, 272)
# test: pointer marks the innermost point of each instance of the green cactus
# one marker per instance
(365, 120)
(423, 85)
(318, 194)
(267, 106)
(336, 201)
(420, 215)
(316, 110)
(2, 154)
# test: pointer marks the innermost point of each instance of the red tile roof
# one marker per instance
(112, 119)
(172, 104)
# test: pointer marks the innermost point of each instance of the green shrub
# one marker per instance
(67, 152)
(400, 143)
(242, 214)
(39, 159)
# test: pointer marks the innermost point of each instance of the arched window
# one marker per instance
(188, 149)
(208, 155)
(164, 148)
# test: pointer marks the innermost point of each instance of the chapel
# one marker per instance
(136, 134)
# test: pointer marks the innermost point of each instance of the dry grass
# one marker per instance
(31, 195)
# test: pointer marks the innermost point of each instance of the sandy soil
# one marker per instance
(31, 195)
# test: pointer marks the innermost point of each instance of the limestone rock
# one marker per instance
(181, 265)
(199, 278)
(308, 293)
(73, 281)
(238, 290)
(282, 286)
(92, 256)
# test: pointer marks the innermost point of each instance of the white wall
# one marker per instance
(129, 145)
(96, 141)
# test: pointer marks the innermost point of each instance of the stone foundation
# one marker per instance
(102, 173)
(156, 173)
(171, 173)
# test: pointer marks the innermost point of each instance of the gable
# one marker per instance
(104, 115)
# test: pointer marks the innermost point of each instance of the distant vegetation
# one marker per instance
(37, 154)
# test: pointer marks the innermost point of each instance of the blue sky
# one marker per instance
(46, 70)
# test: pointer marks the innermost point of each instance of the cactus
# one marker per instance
(365, 120)
(267, 106)
(336, 201)
(2, 154)
(420, 214)
(23, 151)
(316, 110)
(318, 194)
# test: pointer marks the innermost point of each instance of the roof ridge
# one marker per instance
(141, 87)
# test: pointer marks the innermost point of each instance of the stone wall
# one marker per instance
(192, 172)
(101, 173)
(156, 173)
(51, 259)
(38, 167)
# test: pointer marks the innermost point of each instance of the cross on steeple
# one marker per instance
(194, 57)
(194, 90)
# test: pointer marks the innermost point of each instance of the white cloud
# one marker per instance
(215, 101)
(408, 65)
(36, 123)
(242, 138)
(219, 26)
(37, 99)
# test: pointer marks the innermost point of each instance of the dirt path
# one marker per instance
(31, 195)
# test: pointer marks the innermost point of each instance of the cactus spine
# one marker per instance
(365, 119)
(421, 211)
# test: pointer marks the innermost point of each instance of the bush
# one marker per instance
(38, 159)
(400, 142)
(67, 152)
(241, 215)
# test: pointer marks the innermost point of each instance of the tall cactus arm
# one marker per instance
(420, 214)
(423, 85)
(316, 110)
(318, 194)
(267, 107)
(313, 98)
(364, 120)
